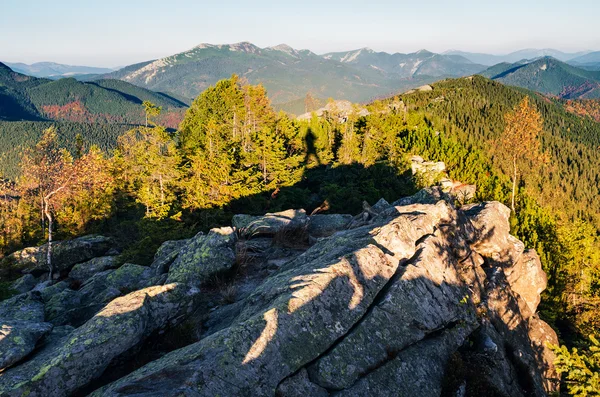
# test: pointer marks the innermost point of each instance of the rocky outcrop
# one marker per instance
(204, 256)
(21, 326)
(166, 255)
(87, 351)
(24, 284)
(417, 297)
(270, 223)
(83, 271)
(65, 254)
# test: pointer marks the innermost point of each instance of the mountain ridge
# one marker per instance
(288, 73)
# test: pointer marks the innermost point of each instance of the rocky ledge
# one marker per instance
(413, 298)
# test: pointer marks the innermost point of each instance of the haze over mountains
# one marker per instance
(289, 74)
(55, 70)
(358, 75)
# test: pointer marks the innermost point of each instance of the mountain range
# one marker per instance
(30, 98)
(530, 53)
(288, 74)
(548, 76)
(55, 70)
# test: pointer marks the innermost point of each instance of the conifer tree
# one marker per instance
(520, 143)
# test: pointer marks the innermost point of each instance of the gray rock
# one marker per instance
(166, 254)
(430, 195)
(87, 351)
(491, 232)
(324, 225)
(21, 326)
(85, 270)
(298, 385)
(416, 371)
(204, 256)
(76, 307)
(24, 284)
(18, 338)
(423, 299)
(527, 278)
(270, 223)
(26, 307)
(292, 318)
(65, 254)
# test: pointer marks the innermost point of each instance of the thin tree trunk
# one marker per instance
(514, 183)
(162, 191)
(49, 251)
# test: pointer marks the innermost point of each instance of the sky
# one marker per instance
(113, 33)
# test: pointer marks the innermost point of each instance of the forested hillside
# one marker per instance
(99, 111)
(233, 152)
(548, 76)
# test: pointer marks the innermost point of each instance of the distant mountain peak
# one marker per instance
(284, 48)
(245, 46)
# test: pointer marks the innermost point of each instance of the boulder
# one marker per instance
(527, 278)
(270, 223)
(416, 371)
(542, 336)
(24, 284)
(324, 225)
(422, 300)
(26, 307)
(204, 256)
(85, 270)
(86, 352)
(21, 326)
(75, 307)
(491, 233)
(292, 318)
(166, 254)
(18, 338)
(65, 254)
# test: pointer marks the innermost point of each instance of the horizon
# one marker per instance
(116, 67)
(113, 34)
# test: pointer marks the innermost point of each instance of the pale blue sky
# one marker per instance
(121, 32)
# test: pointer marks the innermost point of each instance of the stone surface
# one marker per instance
(204, 256)
(293, 317)
(18, 338)
(324, 225)
(414, 298)
(87, 351)
(65, 254)
(417, 371)
(491, 232)
(75, 307)
(299, 385)
(423, 299)
(270, 223)
(527, 278)
(24, 284)
(85, 270)
(166, 254)
(21, 326)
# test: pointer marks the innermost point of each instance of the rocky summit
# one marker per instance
(420, 297)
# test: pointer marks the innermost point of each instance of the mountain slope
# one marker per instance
(407, 65)
(55, 70)
(531, 53)
(549, 76)
(100, 111)
(31, 98)
(288, 74)
(589, 61)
